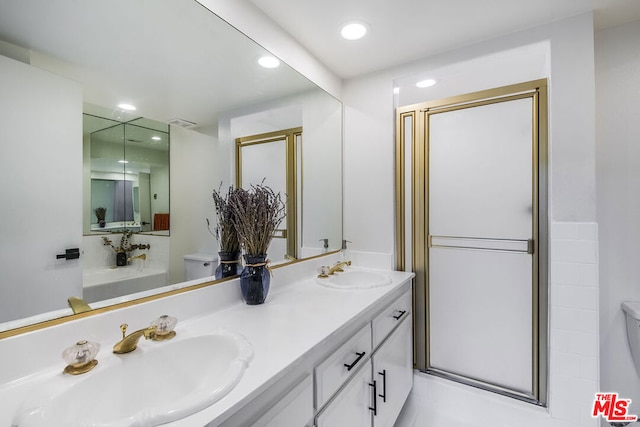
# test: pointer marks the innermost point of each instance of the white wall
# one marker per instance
(618, 202)
(41, 191)
(369, 204)
(194, 175)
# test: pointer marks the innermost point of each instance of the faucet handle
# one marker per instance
(81, 357)
(164, 327)
(324, 271)
(123, 328)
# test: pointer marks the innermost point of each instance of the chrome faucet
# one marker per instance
(338, 267)
(128, 343)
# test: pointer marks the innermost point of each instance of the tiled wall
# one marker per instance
(574, 321)
(573, 353)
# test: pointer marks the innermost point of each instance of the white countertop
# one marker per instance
(296, 318)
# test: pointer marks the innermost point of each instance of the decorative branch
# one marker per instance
(257, 214)
(225, 230)
(125, 245)
(100, 213)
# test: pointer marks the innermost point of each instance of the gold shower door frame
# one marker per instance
(412, 214)
(291, 137)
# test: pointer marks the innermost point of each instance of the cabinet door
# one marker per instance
(351, 406)
(293, 410)
(393, 373)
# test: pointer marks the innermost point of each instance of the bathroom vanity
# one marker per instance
(321, 355)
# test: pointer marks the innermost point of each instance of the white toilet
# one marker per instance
(197, 266)
(632, 312)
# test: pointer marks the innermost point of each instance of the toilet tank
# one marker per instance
(199, 265)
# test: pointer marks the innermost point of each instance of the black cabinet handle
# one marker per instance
(73, 253)
(375, 399)
(355, 362)
(402, 312)
(383, 374)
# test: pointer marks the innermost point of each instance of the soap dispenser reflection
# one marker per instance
(325, 245)
(344, 255)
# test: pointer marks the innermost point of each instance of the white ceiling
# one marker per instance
(172, 59)
(144, 51)
(405, 30)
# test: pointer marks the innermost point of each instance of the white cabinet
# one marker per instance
(393, 375)
(332, 373)
(390, 318)
(375, 394)
(351, 405)
(294, 409)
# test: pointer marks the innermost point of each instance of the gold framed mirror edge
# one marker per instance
(60, 320)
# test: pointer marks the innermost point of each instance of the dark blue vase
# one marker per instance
(255, 279)
(229, 265)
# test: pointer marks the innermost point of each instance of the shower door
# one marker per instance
(480, 243)
(478, 163)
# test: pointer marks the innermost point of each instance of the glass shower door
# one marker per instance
(481, 204)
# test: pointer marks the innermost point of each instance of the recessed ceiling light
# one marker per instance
(122, 161)
(156, 138)
(269, 62)
(353, 30)
(125, 106)
(426, 83)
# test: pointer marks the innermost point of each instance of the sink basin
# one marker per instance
(157, 383)
(356, 279)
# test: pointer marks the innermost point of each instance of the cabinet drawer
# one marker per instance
(339, 366)
(350, 408)
(392, 316)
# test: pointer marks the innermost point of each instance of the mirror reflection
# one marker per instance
(274, 159)
(129, 174)
(199, 88)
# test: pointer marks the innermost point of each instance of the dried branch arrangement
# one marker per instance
(101, 213)
(225, 230)
(257, 214)
(125, 246)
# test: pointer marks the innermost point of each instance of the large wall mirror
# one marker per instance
(197, 87)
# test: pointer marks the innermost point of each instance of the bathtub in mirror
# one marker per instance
(180, 65)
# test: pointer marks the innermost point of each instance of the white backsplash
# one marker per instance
(95, 255)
